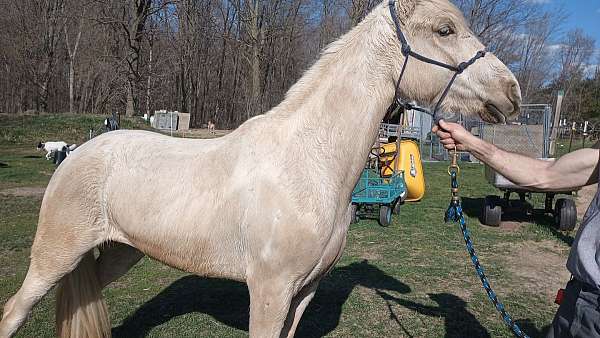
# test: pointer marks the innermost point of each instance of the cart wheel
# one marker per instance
(565, 214)
(354, 213)
(492, 210)
(396, 210)
(385, 215)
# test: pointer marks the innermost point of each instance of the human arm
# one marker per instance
(572, 170)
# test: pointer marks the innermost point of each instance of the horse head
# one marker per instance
(438, 30)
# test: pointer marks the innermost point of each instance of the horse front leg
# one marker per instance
(297, 307)
(269, 306)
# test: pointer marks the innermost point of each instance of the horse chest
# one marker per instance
(336, 244)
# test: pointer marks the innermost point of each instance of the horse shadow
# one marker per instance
(323, 314)
(458, 321)
(473, 207)
(228, 301)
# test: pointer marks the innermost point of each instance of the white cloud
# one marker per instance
(554, 48)
(590, 70)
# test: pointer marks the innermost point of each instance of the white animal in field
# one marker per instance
(49, 147)
(211, 127)
(276, 216)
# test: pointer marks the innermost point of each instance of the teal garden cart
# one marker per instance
(375, 193)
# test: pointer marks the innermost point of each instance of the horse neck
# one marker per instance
(338, 105)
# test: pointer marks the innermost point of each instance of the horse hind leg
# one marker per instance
(51, 260)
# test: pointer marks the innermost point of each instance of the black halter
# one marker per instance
(398, 103)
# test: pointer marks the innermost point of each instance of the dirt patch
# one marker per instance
(510, 225)
(24, 192)
(584, 198)
(541, 265)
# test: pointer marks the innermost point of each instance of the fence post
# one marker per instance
(571, 137)
(559, 99)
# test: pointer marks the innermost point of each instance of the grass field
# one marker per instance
(412, 279)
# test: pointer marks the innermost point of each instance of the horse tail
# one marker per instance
(80, 309)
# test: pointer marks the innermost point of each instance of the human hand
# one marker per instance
(453, 136)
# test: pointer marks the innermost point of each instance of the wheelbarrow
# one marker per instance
(374, 193)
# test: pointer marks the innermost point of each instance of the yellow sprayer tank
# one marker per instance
(408, 160)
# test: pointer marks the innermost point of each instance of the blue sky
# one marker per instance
(584, 14)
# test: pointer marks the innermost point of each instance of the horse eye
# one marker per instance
(445, 31)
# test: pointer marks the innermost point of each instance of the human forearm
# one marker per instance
(573, 170)
(570, 171)
(521, 170)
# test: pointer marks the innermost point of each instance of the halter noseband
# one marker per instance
(398, 103)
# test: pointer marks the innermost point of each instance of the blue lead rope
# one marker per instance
(455, 214)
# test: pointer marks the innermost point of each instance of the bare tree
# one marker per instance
(498, 23)
(358, 9)
(574, 54)
(134, 20)
(128, 20)
(253, 27)
(228, 60)
(534, 65)
(72, 48)
(38, 43)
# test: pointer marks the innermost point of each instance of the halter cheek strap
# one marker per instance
(398, 102)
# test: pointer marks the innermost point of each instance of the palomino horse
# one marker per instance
(277, 216)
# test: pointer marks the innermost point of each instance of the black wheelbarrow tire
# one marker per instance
(353, 213)
(492, 211)
(565, 214)
(385, 215)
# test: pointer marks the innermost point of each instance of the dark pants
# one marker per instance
(579, 313)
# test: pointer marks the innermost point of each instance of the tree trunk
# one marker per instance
(255, 35)
(71, 80)
(130, 107)
(72, 54)
(149, 86)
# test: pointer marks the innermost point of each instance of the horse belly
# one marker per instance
(200, 257)
(191, 234)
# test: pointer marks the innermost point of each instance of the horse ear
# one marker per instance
(405, 8)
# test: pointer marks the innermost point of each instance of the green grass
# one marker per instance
(577, 143)
(411, 279)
